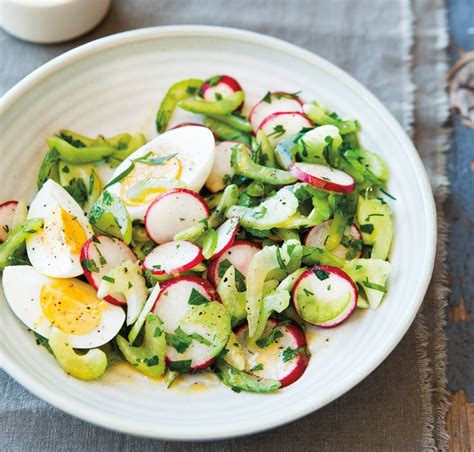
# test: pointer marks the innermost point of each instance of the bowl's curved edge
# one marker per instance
(58, 63)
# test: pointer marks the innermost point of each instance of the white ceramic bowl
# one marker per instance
(115, 84)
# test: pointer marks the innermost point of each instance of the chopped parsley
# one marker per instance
(180, 341)
(321, 274)
(307, 292)
(256, 368)
(180, 366)
(289, 354)
(368, 228)
(122, 175)
(108, 279)
(239, 277)
(196, 298)
(267, 98)
(272, 337)
(278, 131)
(90, 265)
(153, 361)
(191, 90)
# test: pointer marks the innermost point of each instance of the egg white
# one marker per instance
(22, 286)
(47, 252)
(195, 147)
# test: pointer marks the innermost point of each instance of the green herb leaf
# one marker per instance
(153, 361)
(374, 286)
(321, 274)
(367, 228)
(154, 160)
(90, 265)
(272, 337)
(256, 368)
(196, 298)
(180, 366)
(108, 278)
(180, 341)
(122, 175)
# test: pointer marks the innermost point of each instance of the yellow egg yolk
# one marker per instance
(70, 308)
(166, 174)
(74, 235)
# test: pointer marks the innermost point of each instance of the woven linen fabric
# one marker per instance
(393, 409)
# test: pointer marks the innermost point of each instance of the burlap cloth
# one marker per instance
(397, 49)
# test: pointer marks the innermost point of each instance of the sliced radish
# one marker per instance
(222, 167)
(239, 255)
(219, 87)
(324, 177)
(185, 124)
(173, 257)
(172, 305)
(7, 214)
(284, 359)
(324, 296)
(99, 255)
(317, 237)
(281, 124)
(226, 233)
(277, 101)
(173, 212)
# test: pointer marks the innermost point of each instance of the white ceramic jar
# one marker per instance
(50, 21)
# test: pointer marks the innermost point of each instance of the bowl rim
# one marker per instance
(116, 40)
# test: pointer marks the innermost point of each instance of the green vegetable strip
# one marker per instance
(236, 122)
(315, 256)
(245, 166)
(224, 106)
(16, 238)
(320, 116)
(238, 380)
(149, 358)
(179, 91)
(71, 154)
(224, 132)
(266, 149)
(49, 168)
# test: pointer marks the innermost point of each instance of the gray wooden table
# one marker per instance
(460, 215)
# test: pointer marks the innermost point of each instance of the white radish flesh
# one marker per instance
(324, 296)
(323, 177)
(173, 257)
(276, 102)
(226, 233)
(284, 359)
(173, 212)
(7, 215)
(101, 254)
(222, 167)
(172, 305)
(213, 89)
(239, 255)
(280, 125)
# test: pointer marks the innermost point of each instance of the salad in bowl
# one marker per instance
(214, 247)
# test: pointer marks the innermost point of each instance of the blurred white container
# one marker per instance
(49, 21)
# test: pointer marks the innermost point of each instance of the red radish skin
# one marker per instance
(323, 177)
(224, 87)
(338, 273)
(263, 109)
(173, 212)
(291, 122)
(271, 357)
(170, 315)
(186, 124)
(114, 251)
(316, 237)
(226, 233)
(7, 213)
(222, 166)
(184, 256)
(239, 255)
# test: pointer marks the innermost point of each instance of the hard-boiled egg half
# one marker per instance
(68, 304)
(55, 250)
(178, 158)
